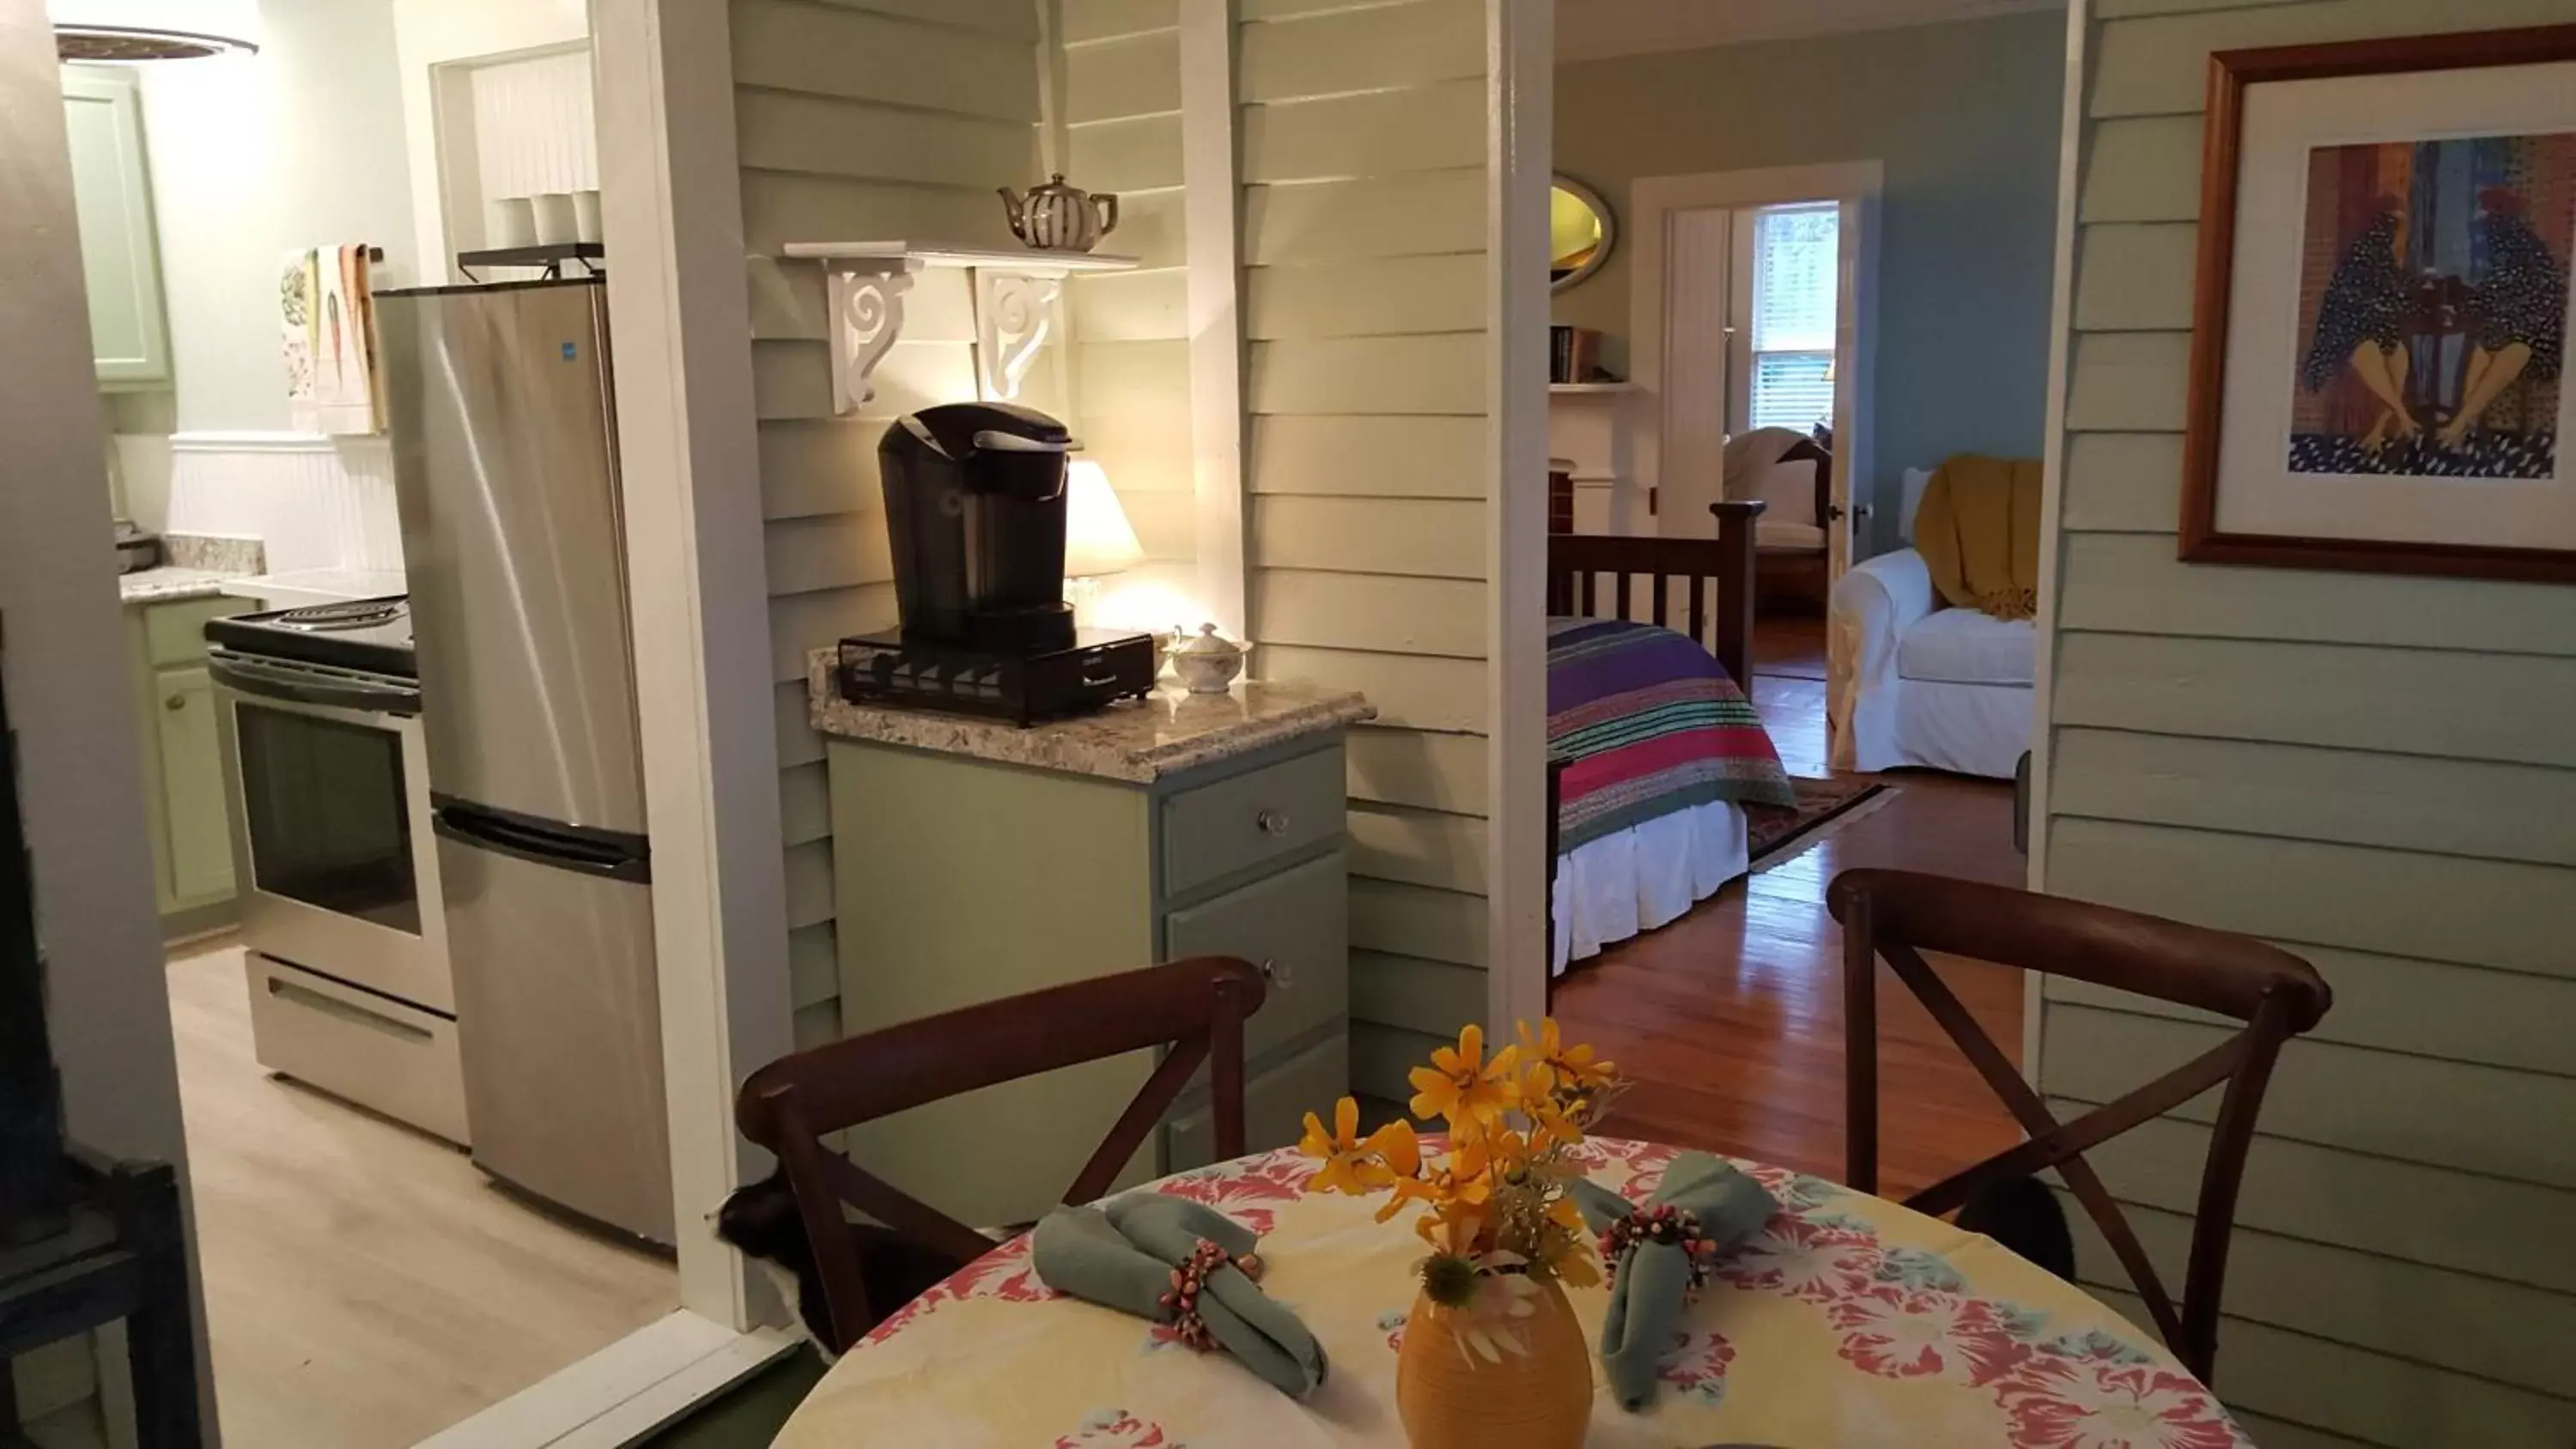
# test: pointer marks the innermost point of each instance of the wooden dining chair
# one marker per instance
(1895, 915)
(1196, 1008)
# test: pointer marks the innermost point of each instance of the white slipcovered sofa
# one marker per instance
(1932, 686)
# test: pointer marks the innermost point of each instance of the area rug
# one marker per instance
(1774, 835)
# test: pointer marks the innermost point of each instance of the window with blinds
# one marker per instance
(1797, 256)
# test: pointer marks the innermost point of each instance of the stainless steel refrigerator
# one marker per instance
(505, 469)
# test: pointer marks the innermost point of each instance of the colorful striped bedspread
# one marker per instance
(1651, 725)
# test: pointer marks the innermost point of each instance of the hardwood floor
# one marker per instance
(1730, 1020)
(365, 1284)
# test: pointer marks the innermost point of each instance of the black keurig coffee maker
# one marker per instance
(975, 503)
(975, 507)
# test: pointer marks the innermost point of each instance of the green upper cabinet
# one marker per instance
(112, 199)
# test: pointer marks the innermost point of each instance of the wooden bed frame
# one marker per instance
(1716, 575)
(1577, 564)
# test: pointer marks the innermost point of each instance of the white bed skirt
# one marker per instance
(1646, 876)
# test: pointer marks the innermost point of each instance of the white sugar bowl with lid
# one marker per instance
(1208, 663)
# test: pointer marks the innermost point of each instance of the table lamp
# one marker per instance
(1097, 537)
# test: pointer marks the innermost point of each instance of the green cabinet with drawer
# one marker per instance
(183, 776)
(960, 879)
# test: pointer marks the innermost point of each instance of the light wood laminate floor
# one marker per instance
(365, 1284)
(1730, 1019)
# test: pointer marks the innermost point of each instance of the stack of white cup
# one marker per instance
(550, 219)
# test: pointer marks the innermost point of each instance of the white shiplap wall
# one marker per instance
(1364, 235)
(1122, 113)
(859, 120)
(2375, 771)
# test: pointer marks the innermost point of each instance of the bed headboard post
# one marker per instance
(1734, 649)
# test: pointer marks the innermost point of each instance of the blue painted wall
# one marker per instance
(1965, 119)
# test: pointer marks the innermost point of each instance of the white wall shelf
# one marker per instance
(1589, 389)
(1019, 305)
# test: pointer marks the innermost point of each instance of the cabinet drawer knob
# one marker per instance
(1282, 974)
(1272, 822)
(175, 703)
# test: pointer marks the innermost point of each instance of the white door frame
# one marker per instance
(2052, 507)
(1520, 95)
(688, 454)
(1652, 203)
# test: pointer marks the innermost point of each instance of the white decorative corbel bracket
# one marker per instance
(1015, 314)
(1018, 295)
(865, 299)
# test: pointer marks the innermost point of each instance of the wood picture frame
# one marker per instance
(2231, 74)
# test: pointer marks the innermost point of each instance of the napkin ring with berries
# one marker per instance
(1661, 1223)
(1190, 1279)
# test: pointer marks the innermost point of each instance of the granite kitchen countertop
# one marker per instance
(198, 566)
(1137, 740)
(168, 584)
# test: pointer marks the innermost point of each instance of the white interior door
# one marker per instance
(1699, 258)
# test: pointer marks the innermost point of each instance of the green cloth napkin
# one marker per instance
(1647, 1289)
(1122, 1257)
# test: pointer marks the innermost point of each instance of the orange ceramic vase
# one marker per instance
(1538, 1400)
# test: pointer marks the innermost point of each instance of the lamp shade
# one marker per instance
(1097, 537)
(152, 29)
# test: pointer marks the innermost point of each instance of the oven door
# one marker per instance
(331, 828)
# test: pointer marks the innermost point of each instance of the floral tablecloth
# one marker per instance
(1849, 1321)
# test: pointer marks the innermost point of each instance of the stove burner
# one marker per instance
(349, 614)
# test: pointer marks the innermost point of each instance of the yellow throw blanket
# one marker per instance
(1978, 530)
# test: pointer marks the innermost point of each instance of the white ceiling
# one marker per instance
(1594, 29)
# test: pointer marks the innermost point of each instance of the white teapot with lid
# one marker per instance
(1057, 217)
(1208, 663)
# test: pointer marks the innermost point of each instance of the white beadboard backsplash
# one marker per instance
(315, 502)
(532, 125)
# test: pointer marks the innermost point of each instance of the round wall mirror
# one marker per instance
(1581, 231)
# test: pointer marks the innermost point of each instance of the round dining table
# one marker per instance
(1847, 1321)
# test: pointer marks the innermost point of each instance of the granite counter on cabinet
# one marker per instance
(1139, 740)
(971, 860)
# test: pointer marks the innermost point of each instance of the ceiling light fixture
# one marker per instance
(130, 30)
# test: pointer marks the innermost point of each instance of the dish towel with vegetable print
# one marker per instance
(1649, 724)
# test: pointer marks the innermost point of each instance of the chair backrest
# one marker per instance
(1197, 1008)
(1896, 915)
(1716, 578)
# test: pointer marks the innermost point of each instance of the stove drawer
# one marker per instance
(369, 1049)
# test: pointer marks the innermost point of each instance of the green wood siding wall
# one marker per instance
(2376, 772)
(1130, 330)
(1363, 168)
(859, 120)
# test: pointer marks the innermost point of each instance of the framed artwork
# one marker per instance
(2380, 318)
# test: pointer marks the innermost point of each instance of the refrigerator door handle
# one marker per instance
(485, 831)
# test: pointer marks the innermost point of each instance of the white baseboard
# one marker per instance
(626, 1391)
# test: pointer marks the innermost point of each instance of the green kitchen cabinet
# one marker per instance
(960, 879)
(120, 248)
(183, 775)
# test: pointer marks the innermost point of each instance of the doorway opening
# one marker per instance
(374, 1271)
(1753, 313)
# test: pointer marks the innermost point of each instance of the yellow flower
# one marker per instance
(1566, 1066)
(1461, 1087)
(1453, 1227)
(1464, 1177)
(1545, 1110)
(1395, 1145)
(1566, 1215)
(1347, 1165)
(1577, 1269)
